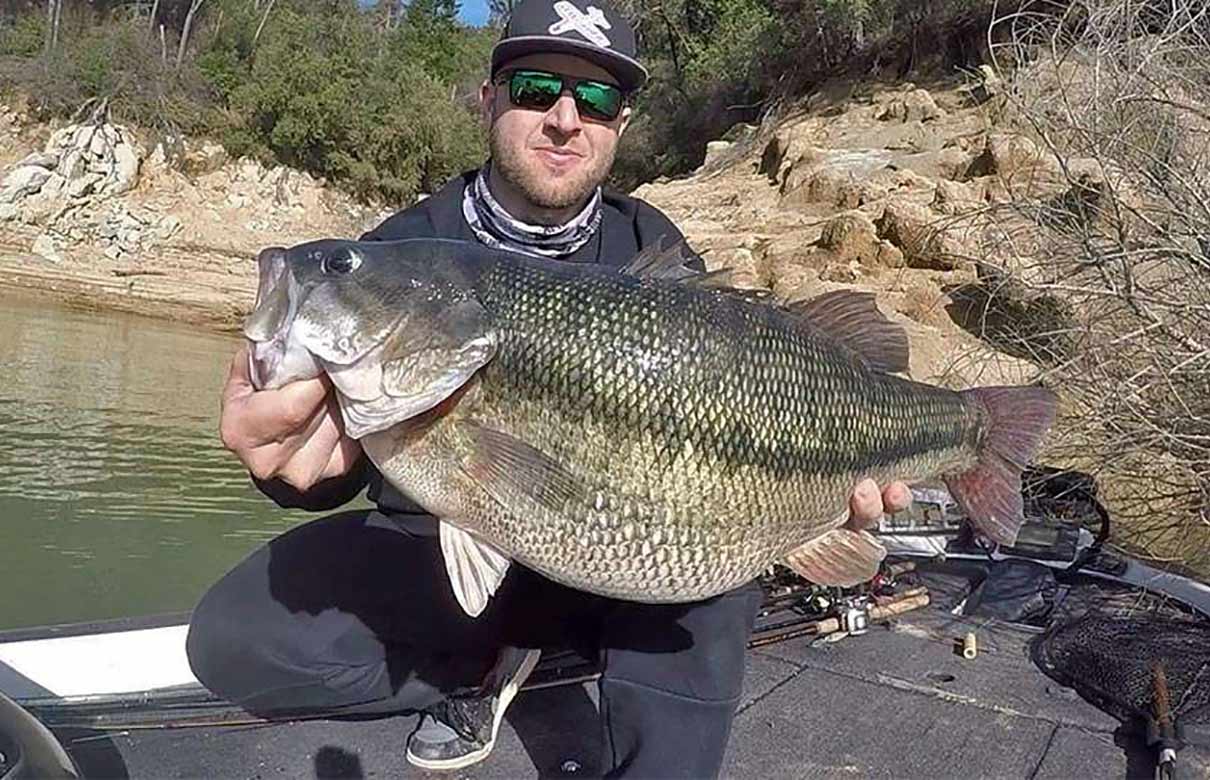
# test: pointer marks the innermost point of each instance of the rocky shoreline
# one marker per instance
(90, 219)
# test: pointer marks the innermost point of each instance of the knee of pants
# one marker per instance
(215, 644)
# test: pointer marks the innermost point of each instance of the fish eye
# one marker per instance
(340, 261)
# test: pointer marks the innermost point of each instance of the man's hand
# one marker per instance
(867, 504)
(294, 433)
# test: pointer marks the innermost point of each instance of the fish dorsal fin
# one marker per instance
(656, 261)
(853, 319)
(841, 557)
(475, 568)
(521, 478)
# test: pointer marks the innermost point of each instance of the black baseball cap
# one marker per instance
(591, 29)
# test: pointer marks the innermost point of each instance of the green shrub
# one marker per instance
(24, 37)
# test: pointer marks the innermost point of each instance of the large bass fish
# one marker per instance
(644, 434)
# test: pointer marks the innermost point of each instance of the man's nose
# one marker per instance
(563, 115)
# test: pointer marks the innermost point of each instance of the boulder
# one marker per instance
(23, 181)
(125, 169)
(1005, 155)
(917, 232)
(915, 104)
(44, 246)
(715, 150)
(198, 159)
(851, 235)
(953, 197)
(83, 185)
(46, 160)
(790, 147)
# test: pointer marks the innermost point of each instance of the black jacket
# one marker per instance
(627, 225)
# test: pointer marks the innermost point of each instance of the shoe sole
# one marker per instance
(507, 694)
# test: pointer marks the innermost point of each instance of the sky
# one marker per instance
(473, 12)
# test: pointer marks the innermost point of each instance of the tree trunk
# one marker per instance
(261, 27)
(50, 26)
(155, 11)
(58, 16)
(194, 5)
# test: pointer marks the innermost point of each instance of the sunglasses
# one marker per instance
(537, 89)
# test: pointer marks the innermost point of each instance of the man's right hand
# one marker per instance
(294, 433)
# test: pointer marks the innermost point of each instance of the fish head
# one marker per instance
(395, 325)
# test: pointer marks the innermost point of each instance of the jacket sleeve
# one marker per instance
(323, 496)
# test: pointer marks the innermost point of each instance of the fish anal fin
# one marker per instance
(852, 318)
(840, 557)
(1017, 418)
(475, 568)
(518, 476)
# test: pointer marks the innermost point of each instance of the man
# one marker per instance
(352, 615)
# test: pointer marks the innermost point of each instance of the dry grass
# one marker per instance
(1099, 270)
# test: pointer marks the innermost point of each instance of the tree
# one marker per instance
(54, 11)
(194, 6)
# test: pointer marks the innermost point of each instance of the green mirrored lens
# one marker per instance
(533, 89)
(597, 100)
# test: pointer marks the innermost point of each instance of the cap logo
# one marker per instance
(587, 24)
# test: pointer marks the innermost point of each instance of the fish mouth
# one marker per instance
(272, 361)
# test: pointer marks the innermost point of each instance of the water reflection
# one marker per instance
(116, 497)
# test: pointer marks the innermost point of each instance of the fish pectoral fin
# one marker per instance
(475, 568)
(853, 319)
(518, 476)
(841, 557)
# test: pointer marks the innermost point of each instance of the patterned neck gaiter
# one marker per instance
(497, 228)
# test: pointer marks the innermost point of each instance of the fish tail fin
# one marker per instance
(990, 493)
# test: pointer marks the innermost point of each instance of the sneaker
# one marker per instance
(461, 730)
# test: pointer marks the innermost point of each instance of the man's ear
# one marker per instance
(487, 99)
(624, 120)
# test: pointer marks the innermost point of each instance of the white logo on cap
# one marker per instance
(587, 24)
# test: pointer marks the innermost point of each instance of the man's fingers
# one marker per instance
(310, 462)
(272, 416)
(865, 505)
(896, 497)
(268, 460)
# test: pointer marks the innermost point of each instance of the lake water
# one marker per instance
(116, 496)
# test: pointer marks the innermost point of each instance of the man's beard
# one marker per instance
(544, 191)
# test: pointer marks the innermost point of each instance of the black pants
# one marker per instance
(353, 615)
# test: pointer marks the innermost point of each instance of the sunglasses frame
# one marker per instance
(566, 84)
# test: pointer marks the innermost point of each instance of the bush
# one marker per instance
(24, 37)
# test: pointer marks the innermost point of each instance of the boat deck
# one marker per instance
(899, 701)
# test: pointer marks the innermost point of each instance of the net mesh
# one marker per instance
(1115, 661)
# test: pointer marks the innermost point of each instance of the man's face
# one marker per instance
(554, 157)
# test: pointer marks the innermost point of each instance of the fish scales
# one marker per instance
(712, 434)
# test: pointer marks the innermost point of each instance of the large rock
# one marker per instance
(82, 185)
(44, 246)
(23, 181)
(46, 160)
(790, 147)
(916, 104)
(715, 151)
(831, 177)
(198, 159)
(953, 197)
(922, 237)
(1006, 156)
(124, 172)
